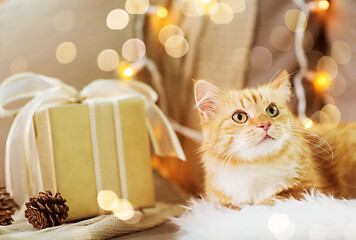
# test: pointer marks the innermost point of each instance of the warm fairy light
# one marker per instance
(64, 20)
(291, 19)
(221, 13)
(330, 116)
(308, 123)
(137, 6)
(278, 222)
(323, 5)
(107, 200)
(321, 81)
(133, 49)
(162, 12)
(341, 52)
(128, 72)
(66, 52)
(168, 31)
(176, 46)
(117, 19)
(281, 38)
(124, 210)
(108, 60)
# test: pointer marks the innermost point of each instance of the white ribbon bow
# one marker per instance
(21, 149)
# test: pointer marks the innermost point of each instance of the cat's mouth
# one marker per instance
(266, 137)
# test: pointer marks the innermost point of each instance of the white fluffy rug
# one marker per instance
(316, 218)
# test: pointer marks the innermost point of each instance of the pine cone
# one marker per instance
(7, 209)
(46, 211)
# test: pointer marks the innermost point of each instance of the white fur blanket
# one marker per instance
(316, 218)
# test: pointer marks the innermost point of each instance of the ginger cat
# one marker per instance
(255, 150)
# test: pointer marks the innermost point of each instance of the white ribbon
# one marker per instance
(21, 150)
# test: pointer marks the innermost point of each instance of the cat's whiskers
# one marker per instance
(314, 135)
(294, 144)
(315, 154)
(225, 150)
(301, 129)
(320, 147)
(296, 135)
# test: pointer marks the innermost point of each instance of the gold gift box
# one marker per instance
(64, 143)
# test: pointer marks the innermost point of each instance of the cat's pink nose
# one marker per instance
(265, 125)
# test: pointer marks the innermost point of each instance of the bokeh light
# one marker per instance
(287, 233)
(291, 20)
(124, 210)
(221, 13)
(330, 116)
(64, 20)
(281, 38)
(308, 123)
(107, 200)
(66, 52)
(318, 232)
(341, 52)
(237, 6)
(278, 223)
(125, 70)
(176, 46)
(337, 86)
(192, 8)
(117, 19)
(162, 12)
(133, 49)
(18, 64)
(328, 65)
(128, 72)
(169, 31)
(108, 60)
(321, 81)
(136, 6)
(260, 58)
(323, 5)
(350, 231)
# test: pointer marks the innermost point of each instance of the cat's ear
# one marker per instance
(282, 83)
(206, 96)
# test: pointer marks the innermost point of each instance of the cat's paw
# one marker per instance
(267, 201)
(231, 206)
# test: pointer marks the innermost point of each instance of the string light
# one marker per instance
(128, 72)
(321, 82)
(160, 12)
(308, 123)
(323, 5)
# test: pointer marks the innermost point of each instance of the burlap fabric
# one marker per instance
(106, 226)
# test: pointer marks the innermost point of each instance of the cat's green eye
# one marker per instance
(240, 117)
(272, 110)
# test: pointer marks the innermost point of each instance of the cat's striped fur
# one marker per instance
(269, 157)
